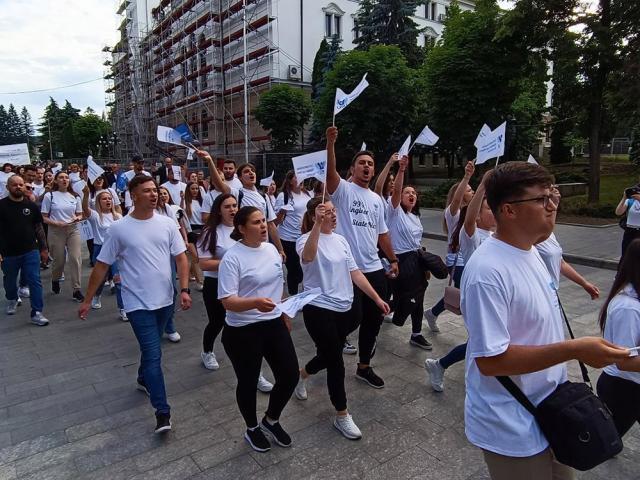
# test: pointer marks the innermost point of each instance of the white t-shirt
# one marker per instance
(114, 197)
(253, 198)
(261, 272)
(633, 213)
(551, 253)
(360, 221)
(38, 190)
(128, 202)
(405, 229)
(234, 182)
(61, 206)
(208, 199)
(100, 227)
(623, 327)
(143, 250)
(330, 271)
(223, 243)
(507, 297)
(174, 190)
(469, 244)
(196, 213)
(290, 228)
(452, 223)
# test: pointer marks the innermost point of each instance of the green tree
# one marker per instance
(3, 126)
(51, 123)
(26, 127)
(87, 130)
(325, 58)
(13, 126)
(384, 113)
(390, 22)
(69, 115)
(283, 111)
(634, 150)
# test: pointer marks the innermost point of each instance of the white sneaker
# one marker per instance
(123, 315)
(346, 426)
(38, 319)
(174, 337)
(12, 307)
(435, 373)
(19, 302)
(264, 385)
(431, 321)
(95, 303)
(388, 318)
(301, 389)
(23, 292)
(199, 287)
(209, 360)
(349, 349)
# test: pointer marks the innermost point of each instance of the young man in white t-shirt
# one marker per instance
(511, 311)
(361, 221)
(174, 186)
(142, 244)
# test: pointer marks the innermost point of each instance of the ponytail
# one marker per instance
(308, 219)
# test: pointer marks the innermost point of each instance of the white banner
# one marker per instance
(265, 182)
(404, 149)
(78, 187)
(427, 137)
(344, 99)
(484, 131)
(190, 154)
(86, 232)
(292, 305)
(169, 135)
(177, 173)
(93, 169)
(492, 145)
(17, 154)
(531, 160)
(363, 147)
(312, 165)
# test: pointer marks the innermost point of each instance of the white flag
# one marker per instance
(404, 149)
(17, 154)
(311, 165)
(190, 154)
(427, 137)
(56, 168)
(93, 169)
(78, 187)
(169, 135)
(484, 131)
(344, 99)
(363, 147)
(531, 160)
(265, 182)
(492, 145)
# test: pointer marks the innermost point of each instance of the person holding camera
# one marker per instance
(630, 207)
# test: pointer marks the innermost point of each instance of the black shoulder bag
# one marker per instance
(577, 424)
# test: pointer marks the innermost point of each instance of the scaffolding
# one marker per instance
(201, 62)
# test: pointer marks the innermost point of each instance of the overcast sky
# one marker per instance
(45, 44)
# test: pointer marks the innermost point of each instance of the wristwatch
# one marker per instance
(186, 290)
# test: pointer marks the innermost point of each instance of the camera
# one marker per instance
(629, 192)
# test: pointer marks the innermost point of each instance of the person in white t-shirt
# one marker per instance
(477, 225)
(629, 206)
(142, 244)
(175, 187)
(229, 172)
(250, 282)
(510, 309)
(328, 264)
(459, 196)
(619, 384)
(99, 185)
(361, 222)
(192, 201)
(138, 169)
(61, 210)
(290, 206)
(101, 217)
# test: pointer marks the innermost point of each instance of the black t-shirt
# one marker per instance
(18, 222)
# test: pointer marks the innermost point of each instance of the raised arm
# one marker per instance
(384, 174)
(456, 201)
(86, 193)
(397, 189)
(474, 207)
(310, 249)
(216, 179)
(333, 179)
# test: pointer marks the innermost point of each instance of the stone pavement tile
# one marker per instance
(625, 465)
(123, 470)
(5, 440)
(352, 466)
(384, 444)
(221, 452)
(115, 454)
(31, 447)
(453, 449)
(24, 396)
(18, 376)
(60, 471)
(413, 463)
(72, 398)
(104, 423)
(300, 466)
(8, 472)
(238, 467)
(182, 468)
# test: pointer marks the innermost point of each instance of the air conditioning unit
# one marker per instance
(294, 72)
(441, 17)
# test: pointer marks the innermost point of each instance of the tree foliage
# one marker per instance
(14, 127)
(283, 111)
(324, 60)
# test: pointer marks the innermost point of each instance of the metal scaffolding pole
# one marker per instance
(246, 98)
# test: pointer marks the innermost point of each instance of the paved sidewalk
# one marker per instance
(69, 407)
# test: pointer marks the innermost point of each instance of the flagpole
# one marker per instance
(497, 160)
(324, 189)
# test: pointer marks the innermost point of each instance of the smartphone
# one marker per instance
(633, 352)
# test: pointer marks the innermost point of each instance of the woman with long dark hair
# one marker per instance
(212, 245)
(619, 384)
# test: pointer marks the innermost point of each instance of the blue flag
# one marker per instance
(185, 132)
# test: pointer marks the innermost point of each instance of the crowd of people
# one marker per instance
(155, 233)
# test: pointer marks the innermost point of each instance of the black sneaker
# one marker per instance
(163, 422)
(421, 342)
(78, 297)
(276, 432)
(257, 440)
(55, 286)
(142, 387)
(369, 376)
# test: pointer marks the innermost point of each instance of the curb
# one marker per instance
(569, 257)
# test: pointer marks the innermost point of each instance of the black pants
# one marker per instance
(90, 248)
(246, 347)
(294, 270)
(630, 234)
(366, 314)
(215, 313)
(408, 292)
(622, 396)
(328, 330)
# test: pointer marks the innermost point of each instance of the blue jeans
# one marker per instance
(438, 308)
(113, 270)
(28, 265)
(148, 326)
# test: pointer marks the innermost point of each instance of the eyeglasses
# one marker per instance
(544, 199)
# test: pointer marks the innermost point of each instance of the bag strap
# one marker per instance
(583, 368)
(515, 391)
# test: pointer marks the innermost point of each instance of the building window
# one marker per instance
(333, 20)
(328, 25)
(356, 29)
(203, 59)
(205, 124)
(426, 9)
(434, 11)
(203, 82)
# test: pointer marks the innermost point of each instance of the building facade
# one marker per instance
(188, 61)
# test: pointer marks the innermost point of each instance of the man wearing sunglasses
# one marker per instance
(511, 311)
